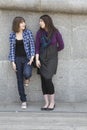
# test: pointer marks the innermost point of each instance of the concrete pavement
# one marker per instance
(43, 121)
(66, 116)
(35, 107)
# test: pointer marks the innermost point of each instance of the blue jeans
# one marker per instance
(24, 71)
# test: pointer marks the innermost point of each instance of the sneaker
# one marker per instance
(24, 105)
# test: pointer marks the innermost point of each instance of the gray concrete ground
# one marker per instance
(35, 107)
(65, 116)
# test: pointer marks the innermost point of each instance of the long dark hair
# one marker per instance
(49, 25)
(16, 23)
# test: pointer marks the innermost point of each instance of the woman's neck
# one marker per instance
(19, 35)
(20, 31)
(46, 29)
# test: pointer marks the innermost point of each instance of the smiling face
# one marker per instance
(42, 24)
(18, 24)
(22, 25)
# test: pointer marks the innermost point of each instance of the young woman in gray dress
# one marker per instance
(48, 42)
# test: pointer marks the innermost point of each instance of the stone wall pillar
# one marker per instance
(70, 17)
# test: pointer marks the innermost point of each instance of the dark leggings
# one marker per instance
(47, 86)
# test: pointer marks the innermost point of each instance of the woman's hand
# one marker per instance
(31, 60)
(38, 64)
(14, 66)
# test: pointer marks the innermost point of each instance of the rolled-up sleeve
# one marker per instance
(12, 49)
(32, 44)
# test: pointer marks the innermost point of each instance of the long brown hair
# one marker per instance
(49, 24)
(16, 23)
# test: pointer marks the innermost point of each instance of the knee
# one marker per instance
(27, 75)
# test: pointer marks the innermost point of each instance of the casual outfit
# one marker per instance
(20, 53)
(48, 54)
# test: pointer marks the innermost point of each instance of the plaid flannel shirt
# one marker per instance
(28, 41)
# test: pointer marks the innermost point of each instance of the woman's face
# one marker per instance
(42, 24)
(22, 25)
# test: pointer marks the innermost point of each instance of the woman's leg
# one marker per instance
(27, 72)
(52, 101)
(44, 90)
(46, 98)
(51, 92)
(19, 74)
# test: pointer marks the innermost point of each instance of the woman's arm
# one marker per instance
(12, 47)
(60, 41)
(32, 44)
(37, 49)
(12, 51)
(32, 47)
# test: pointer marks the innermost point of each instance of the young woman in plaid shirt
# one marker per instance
(21, 55)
